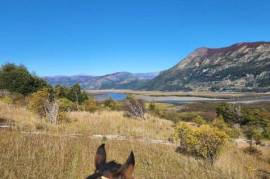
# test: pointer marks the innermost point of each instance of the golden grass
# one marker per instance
(42, 156)
(114, 122)
(18, 117)
(235, 162)
(102, 122)
(29, 155)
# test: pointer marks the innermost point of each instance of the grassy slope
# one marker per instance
(42, 156)
(27, 155)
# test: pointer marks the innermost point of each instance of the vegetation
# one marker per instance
(29, 155)
(63, 126)
(203, 141)
(52, 142)
(255, 122)
(231, 131)
(135, 107)
(17, 79)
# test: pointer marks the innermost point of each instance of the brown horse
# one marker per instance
(112, 169)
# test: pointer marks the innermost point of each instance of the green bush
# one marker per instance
(76, 95)
(65, 105)
(110, 104)
(152, 107)
(204, 141)
(231, 113)
(199, 120)
(17, 79)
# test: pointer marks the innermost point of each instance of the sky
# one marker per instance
(96, 37)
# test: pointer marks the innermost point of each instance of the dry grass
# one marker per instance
(28, 155)
(114, 122)
(103, 122)
(42, 156)
(18, 117)
(235, 162)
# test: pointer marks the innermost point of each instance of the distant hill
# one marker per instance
(239, 67)
(119, 80)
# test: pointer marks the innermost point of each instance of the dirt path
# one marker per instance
(110, 137)
(240, 142)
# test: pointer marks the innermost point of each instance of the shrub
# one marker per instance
(61, 91)
(17, 79)
(7, 100)
(231, 113)
(253, 133)
(204, 141)
(65, 105)
(252, 151)
(90, 105)
(110, 104)
(199, 120)
(152, 107)
(219, 123)
(38, 99)
(135, 107)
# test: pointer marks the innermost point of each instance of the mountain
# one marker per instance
(239, 67)
(119, 80)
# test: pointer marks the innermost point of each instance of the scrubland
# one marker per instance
(33, 148)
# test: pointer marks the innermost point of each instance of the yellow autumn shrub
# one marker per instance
(204, 141)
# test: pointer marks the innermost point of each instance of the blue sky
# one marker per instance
(67, 37)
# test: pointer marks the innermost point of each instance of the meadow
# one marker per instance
(32, 148)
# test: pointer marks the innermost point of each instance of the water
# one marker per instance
(114, 96)
(177, 99)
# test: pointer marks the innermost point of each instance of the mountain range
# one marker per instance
(239, 67)
(119, 80)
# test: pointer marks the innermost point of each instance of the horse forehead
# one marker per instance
(111, 166)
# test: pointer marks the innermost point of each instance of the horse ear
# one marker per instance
(100, 158)
(128, 168)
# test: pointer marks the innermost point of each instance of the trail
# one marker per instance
(240, 142)
(108, 137)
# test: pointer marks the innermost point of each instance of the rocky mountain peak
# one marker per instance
(241, 66)
(209, 52)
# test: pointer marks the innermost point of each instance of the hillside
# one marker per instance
(239, 67)
(33, 148)
(119, 80)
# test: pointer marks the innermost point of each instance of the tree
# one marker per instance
(252, 133)
(17, 79)
(60, 91)
(76, 95)
(230, 113)
(135, 107)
